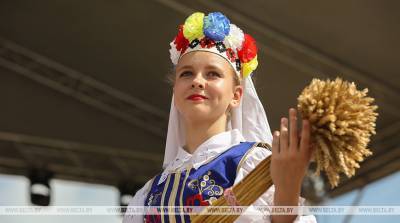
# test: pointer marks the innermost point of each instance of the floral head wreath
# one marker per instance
(214, 33)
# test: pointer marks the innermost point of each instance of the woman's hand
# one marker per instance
(289, 163)
(290, 158)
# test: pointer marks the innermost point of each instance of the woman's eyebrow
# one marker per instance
(211, 66)
(184, 67)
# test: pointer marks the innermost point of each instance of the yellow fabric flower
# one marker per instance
(193, 27)
(249, 67)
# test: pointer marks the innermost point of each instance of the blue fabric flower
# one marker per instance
(216, 26)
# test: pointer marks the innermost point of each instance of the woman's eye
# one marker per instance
(185, 74)
(214, 74)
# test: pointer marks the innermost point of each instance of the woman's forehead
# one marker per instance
(202, 58)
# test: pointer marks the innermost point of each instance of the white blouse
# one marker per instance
(208, 150)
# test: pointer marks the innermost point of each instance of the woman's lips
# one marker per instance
(197, 97)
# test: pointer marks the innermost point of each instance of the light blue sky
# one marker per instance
(382, 192)
(14, 191)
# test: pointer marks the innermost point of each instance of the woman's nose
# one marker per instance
(198, 82)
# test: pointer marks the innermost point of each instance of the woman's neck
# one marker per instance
(199, 132)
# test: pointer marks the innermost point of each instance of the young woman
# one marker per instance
(216, 120)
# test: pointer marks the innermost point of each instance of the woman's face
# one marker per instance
(204, 87)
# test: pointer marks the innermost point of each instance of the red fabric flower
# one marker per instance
(249, 49)
(180, 41)
(196, 200)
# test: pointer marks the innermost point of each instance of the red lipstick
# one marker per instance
(197, 97)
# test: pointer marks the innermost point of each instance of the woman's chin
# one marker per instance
(197, 113)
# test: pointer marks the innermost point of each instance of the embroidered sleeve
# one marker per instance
(250, 161)
(138, 200)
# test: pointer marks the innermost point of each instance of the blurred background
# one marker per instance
(85, 102)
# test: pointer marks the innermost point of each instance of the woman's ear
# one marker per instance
(237, 96)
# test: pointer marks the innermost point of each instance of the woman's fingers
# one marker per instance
(293, 130)
(283, 139)
(305, 138)
(288, 137)
(275, 144)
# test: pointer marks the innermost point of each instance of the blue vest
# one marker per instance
(191, 187)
